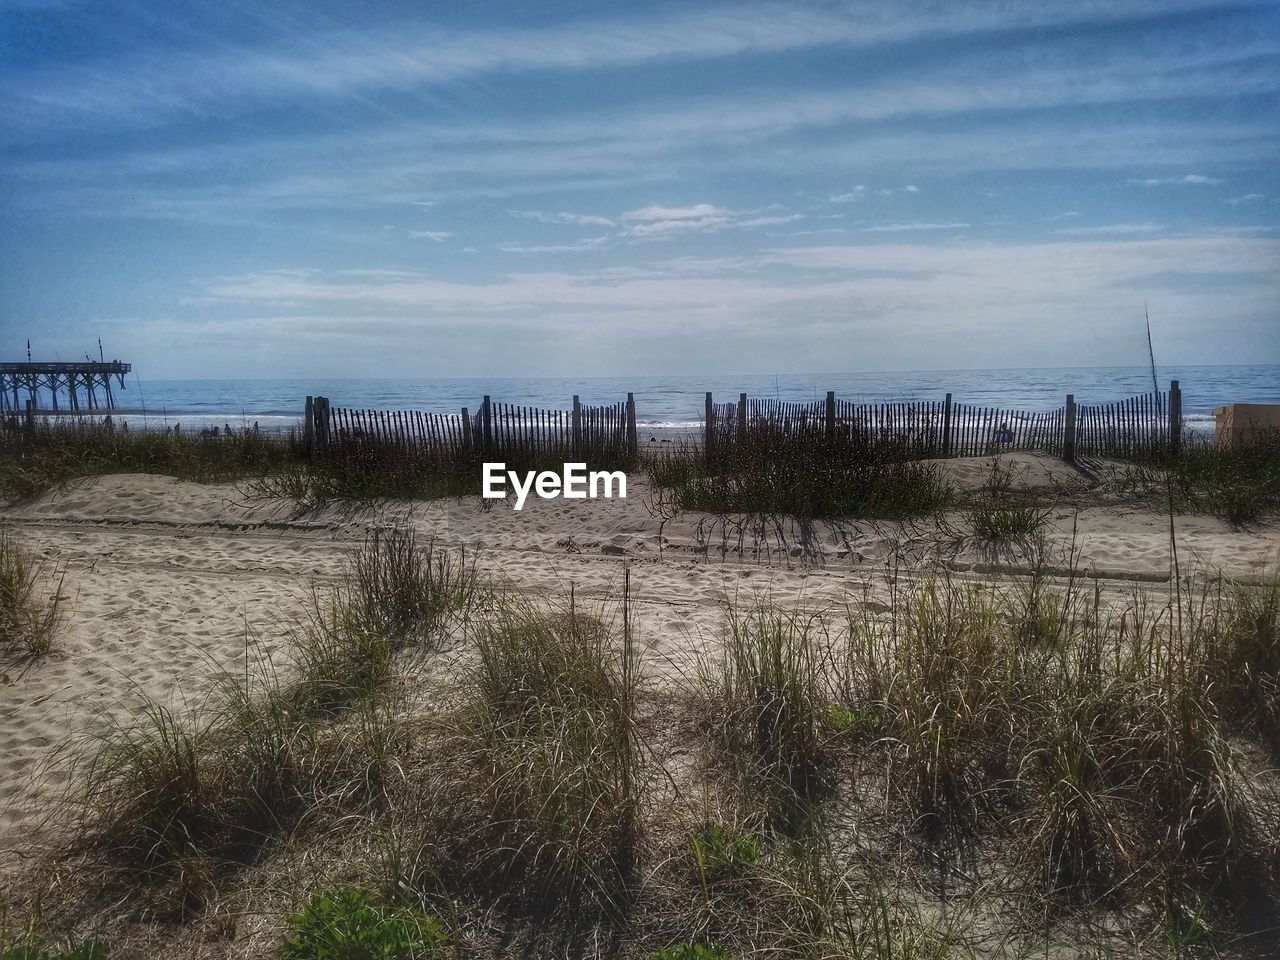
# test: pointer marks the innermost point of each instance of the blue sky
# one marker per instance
(564, 189)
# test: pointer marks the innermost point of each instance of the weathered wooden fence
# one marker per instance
(1144, 423)
(495, 430)
(1148, 422)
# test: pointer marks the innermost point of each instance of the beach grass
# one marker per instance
(53, 455)
(1241, 484)
(31, 600)
(852, 758)
(770, 470)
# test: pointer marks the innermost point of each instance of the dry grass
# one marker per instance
(1104, 767)
(31, 600)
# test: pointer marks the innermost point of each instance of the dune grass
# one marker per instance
(56, 454)
(31, 600)
(1240, 484)
(168, 790)
(766, 688)
(522, 793)
(771, 471)
(541, 776)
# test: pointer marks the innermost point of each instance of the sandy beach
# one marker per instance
(165, 580)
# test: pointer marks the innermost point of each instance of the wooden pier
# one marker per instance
(86, 386)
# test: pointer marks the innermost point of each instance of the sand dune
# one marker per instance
(167, 580)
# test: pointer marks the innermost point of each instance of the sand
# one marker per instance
(166, 580)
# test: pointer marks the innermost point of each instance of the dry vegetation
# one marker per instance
(981, 769)
(31, 601)
(442, 768)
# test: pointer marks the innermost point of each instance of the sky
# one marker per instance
(564, 188)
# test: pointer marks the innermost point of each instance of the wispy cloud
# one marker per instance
(907, 227)
(659, 222)
(579, 219)
(1193, 179)
(1246, 198)
(1112, 229)
(436, 236)
(348, 64)
(589, 243)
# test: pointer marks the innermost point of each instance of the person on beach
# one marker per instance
(1003, 435)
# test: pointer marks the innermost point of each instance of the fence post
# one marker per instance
(632, 444)
(742, 418)
(946, 427)
(831, 414)
(1175, 417)
(486, 424)
(466, 431)
(709, 429)
(322, 424)
(31, 417)
(577, 425)
(1069, 429)
(309, 428)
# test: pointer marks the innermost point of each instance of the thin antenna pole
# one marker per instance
(1151, 354)
(141, 395)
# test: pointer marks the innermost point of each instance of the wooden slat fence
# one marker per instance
(923, 428)
(1125, 428)
(495, 429)
(939, 428)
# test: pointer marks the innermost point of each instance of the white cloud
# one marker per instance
(904, 227)
(590, 243)
(1048, 292)
(579, 219)
(857, 193)
(1112, 229)
(1194, 179)
(1247, 198)
(659, 222)
(151, 88)
(1066, 216)
(436, 236)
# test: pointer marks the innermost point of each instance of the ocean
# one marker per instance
(676, 403)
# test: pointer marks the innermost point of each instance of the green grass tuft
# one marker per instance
(356, 924)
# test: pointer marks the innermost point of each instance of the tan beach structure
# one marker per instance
(1241, 424)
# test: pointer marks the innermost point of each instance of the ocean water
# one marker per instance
(676, 403)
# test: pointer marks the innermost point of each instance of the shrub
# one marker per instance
(31, 950)
(692, 951)
(355, 924)
(722, 853)
(854, 722)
